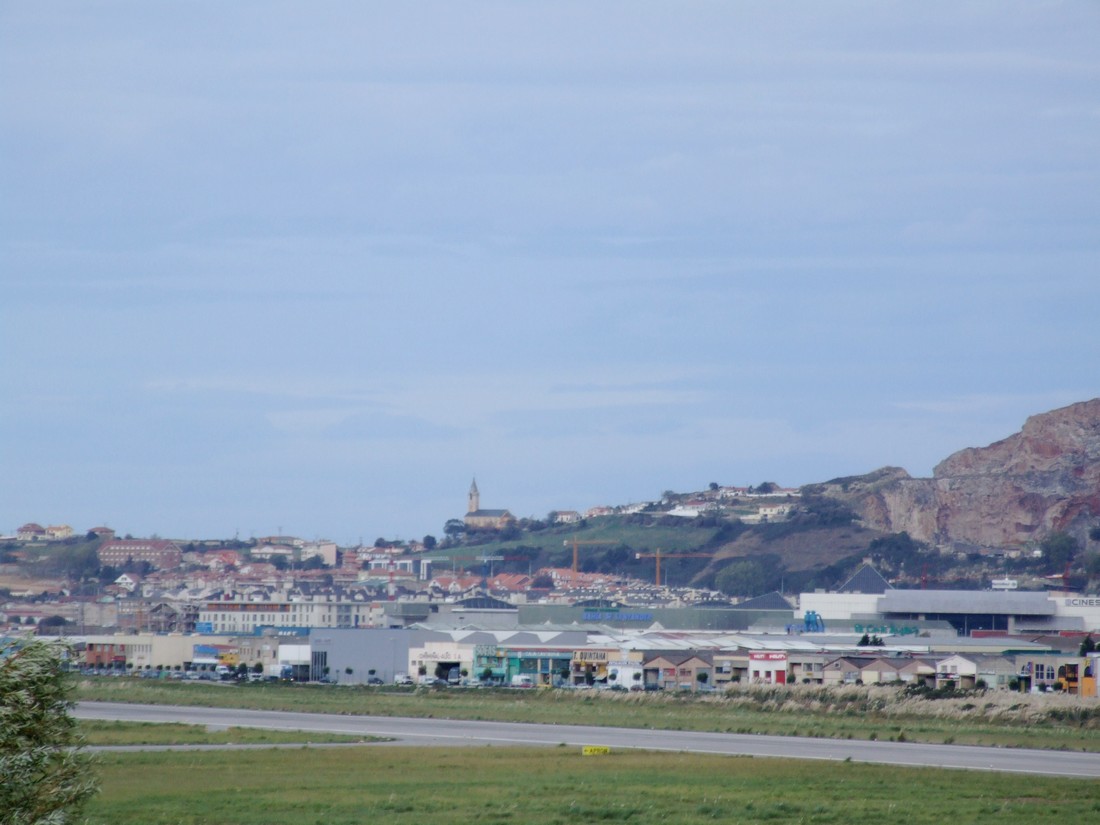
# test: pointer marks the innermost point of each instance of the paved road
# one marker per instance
(459, 733)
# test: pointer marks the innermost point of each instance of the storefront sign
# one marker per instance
(615, 616)
(590, 655)
(888, 629)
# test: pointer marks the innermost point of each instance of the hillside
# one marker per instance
(1024, 507)
(818, 545)
(1010, 495)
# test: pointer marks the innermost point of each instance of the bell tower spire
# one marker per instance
(473, 499)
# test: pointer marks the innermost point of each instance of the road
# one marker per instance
(455, 733)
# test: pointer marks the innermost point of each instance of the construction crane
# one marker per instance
(484, 559)
(659, 555)
(578, 542)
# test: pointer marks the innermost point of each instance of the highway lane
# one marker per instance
(456, 733)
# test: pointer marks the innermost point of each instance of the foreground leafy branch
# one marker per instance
(46, 779)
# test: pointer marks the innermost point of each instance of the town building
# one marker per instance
(245, 615)
(158, 553)
(479, 519)
(966, 611)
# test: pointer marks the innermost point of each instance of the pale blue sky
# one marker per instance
(312, 266)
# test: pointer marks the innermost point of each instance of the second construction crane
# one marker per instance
(579, 542)
(659, 555)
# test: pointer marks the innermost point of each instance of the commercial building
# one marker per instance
(243, 616)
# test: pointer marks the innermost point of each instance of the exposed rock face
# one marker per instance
(1043, 479)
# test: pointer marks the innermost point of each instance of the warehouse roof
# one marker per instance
(966, 601)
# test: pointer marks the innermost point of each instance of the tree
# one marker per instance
(47, 778)
(53, 622)
(1087, 646)
(1059, 550)
(429, 542)
(748, 577)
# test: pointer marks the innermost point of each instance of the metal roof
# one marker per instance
(966, 601)
(865, 580)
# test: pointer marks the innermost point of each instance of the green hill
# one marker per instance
(808, 548)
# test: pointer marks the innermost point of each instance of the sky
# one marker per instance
(309, 268)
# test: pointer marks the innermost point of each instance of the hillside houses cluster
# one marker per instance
(750, 504)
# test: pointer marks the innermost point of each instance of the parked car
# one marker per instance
(374, 680)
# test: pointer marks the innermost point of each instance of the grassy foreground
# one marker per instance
(558, 785)
(149, 733)
(865, 712)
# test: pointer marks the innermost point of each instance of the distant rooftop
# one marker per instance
(865, 580)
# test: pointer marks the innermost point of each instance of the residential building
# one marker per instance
(247, 616)
(159, 553)
(31, 532)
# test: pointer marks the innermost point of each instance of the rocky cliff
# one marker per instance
(1044, 478)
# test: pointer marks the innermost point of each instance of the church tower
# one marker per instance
(474, 498)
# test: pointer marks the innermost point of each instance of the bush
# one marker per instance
(46, 778)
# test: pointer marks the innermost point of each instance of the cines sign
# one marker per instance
(1087, 601)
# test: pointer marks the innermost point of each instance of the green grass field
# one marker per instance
(148, 733)
(557, 785)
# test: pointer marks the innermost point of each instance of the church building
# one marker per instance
(479, 519)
